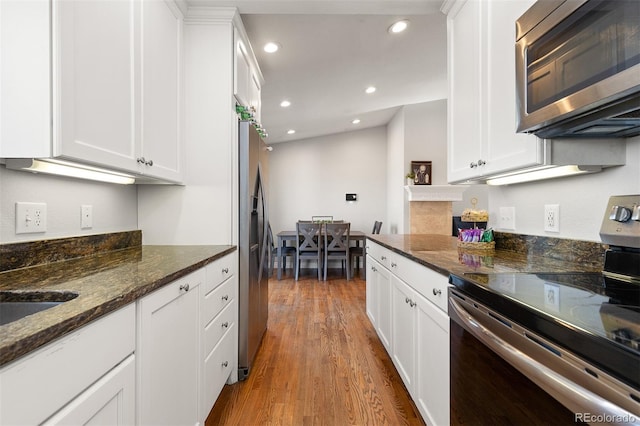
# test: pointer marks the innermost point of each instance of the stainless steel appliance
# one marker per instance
(578, 68)
(252, 247)
(574, 335)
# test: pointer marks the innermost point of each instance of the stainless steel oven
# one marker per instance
(578, 68)
(552, 348)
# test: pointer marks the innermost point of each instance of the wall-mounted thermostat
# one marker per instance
(352, 197)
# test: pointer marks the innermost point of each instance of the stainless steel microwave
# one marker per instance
(578, 68)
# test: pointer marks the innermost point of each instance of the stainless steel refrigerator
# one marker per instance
(252, 244)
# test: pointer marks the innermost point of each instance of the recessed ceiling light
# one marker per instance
(356, 121)
(370, 89)
(271, 47)
(290, 132)
(285, 104)
(399, 26)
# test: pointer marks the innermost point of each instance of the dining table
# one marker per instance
(285, 236)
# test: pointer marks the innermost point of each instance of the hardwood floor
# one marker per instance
(321, 362)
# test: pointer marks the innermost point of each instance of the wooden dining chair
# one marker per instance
(336, 245)
(376, 227)
(273, 252)
(309, 247)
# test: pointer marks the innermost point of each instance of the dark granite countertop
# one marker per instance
(104, 282)
(513, 254)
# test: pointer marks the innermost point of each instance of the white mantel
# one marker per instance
(435, 192)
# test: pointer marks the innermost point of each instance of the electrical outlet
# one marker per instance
(31, 218)
(86, 220)
(508, 218)
(552, 217)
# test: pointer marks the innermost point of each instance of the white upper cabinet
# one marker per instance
(94, 74)
(482, 106)
(115, 95)
(161, 89)
(248, 78)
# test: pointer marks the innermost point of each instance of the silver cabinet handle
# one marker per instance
(373, 268)
(383, 257)
(184, 287)
(393, 264)
(437, 292)
(473, 165)
(481, 162)
(225, 270)
(225, 364)
(225, 297)
(142, 160)
(412, 303)
(225, 324)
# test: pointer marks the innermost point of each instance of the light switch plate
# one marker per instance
(86, 221)
(508, 218)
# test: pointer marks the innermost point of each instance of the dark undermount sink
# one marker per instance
(15, 305)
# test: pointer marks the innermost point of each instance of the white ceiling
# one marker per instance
(331, 51)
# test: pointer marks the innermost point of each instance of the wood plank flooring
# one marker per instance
(321, 363)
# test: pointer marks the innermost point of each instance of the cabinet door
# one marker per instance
(383, 286)
(109, 401)
(242, 73)
(505, 149)
(372, 291)
(161, 26)
(94, 69)
(465, 43)
(403, 343)
(167, 354)
(431, 392)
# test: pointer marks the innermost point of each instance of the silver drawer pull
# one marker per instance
(412, 303)
(184, 287)
(225, 364)
(393, 265)
(437, 292)
(383, 257)
(225, 324)
(406, 300)
(225, 297)
(225, 270)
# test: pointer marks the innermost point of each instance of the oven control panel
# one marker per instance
(621, 222)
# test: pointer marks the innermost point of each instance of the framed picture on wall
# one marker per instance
(422, 172)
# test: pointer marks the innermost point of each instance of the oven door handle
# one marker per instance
(573, 396)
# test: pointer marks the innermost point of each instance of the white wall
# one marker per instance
(582, 199)
(311, 177)
(114, 206)
(418, 132)
(396, 172)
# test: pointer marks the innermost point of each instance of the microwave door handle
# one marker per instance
(575, 397)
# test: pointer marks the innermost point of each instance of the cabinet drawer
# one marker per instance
(216, 300)
(220, 325)
(379, 253)
(219, 271)
(217, 368)
(58, 372)
(425, 281)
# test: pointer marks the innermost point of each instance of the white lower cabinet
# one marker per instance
(379, 300)
(109, 401)
(86, 377)
(167, 353)
(418, 325)
(219, 328)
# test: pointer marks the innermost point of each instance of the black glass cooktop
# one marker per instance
(590, 314)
